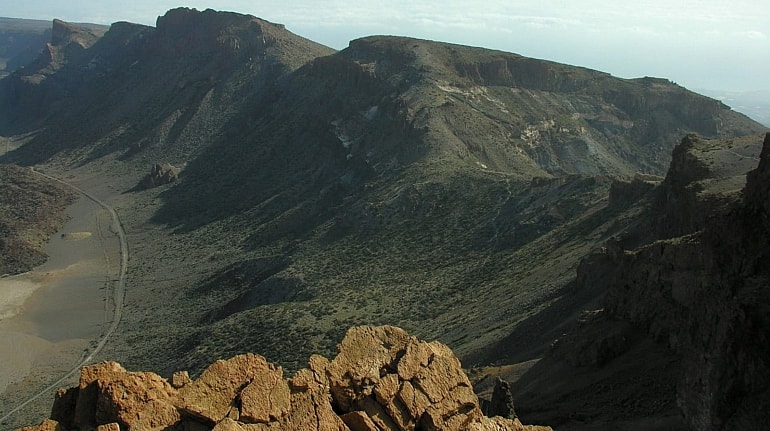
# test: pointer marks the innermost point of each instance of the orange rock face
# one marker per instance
(46, 425)
(137, 401)
(266, 398)
(88, 391)
(381, 380)
(411, 382)
(211, 396)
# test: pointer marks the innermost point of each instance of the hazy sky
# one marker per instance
(701, 44)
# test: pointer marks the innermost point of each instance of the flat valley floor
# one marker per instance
(51, 317)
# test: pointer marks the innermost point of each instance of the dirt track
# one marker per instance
(30, 341)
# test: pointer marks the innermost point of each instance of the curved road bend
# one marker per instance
(118, 294)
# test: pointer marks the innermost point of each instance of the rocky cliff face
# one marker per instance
(20, 42)
(706, 295)
(381, 380)
(698, 286)
(539, 117)
(558, 118)
(35, 91)
(142, 88)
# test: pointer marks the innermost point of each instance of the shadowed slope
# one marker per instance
(684, 307)
(446, 189)
(153, 91)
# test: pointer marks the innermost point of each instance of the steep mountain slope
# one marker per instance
(29, 94)
(31, 210)
(389, 183)
(146, 87)
(685, 306)
(446, 189)
(21, 41)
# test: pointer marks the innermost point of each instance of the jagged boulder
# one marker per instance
(137, 401)
(64, 404)
(160, 174)
(311, 407)
(109, 394)
(46, 425)
(180, 378)
(266, 398)
(381, 380)
(400, 382)
(501, 403)
(362, 354)
(212, 395)
(84, 415)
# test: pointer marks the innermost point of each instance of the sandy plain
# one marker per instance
(52, 316)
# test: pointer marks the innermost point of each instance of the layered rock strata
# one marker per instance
(381, 380)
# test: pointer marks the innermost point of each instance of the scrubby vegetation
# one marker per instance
(32, 208)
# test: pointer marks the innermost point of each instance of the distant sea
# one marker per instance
(754, 104)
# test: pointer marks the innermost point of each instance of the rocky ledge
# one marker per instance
(381, 380)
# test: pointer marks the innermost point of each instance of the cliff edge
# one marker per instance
(705, 295)
(685, 311)
(381, 380)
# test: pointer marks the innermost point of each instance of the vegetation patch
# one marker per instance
(32, 208)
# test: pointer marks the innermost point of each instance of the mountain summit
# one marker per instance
(134, 69)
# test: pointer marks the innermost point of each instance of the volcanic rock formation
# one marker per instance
(381, 380)
(160, 174)
(444, 188)
(686, 305)
(705, 293)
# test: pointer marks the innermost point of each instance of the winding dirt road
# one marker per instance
(117, 294)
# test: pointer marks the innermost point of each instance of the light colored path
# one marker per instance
(118, 295)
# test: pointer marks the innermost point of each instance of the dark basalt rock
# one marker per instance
(705, 294)
(501, 403)
(159, 175)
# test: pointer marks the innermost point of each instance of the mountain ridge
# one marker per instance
(446, 189)
(22, 40)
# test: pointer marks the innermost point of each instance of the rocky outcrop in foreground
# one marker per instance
(381, 380)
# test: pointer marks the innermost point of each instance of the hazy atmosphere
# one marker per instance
(700, 44)
(393, 216)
